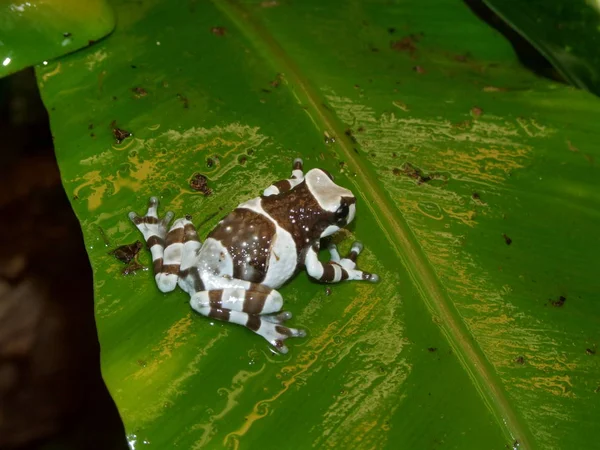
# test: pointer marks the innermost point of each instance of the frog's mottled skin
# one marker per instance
(254, 250)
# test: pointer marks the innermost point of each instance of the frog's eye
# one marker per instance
(342, 213)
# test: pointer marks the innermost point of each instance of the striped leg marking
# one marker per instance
(248, 307)
(286, 185)
(166, 248)
(337, 269)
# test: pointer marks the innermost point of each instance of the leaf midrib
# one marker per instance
(393, 225)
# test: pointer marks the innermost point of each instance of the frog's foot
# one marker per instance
(348, 264)
(167, 248)
(150, 225)
(273, 330)
(256, 307)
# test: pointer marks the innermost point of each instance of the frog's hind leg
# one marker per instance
(254, 306)
(286, 185)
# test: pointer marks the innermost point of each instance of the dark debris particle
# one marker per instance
(476, 196)
(114, 97)
(67, 35)
(120, 134)
(133, 66)
(558, 303)
(92, 135)
(91, 126)
(391, 30)
(200, 183)
(327, 291)
(139, 92)
(416, 174)
(277, 81)
(218, 31)
(406, 44)
(184, 100)
(507, 239)
(463, 125)
(266, 91)
(91, 42)
(242, 160)
(432, 349)
(250, 152)
(519, 360)
(349, 133)
(590, 351)
(132, 267)
(360, 129)
(396, 171)
(210, 162)
(127, 252)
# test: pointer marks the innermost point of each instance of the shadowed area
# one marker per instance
(51, 391)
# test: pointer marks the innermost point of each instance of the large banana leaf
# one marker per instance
(477, 205)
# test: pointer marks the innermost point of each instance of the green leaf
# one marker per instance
(566, 32)
(37, 31)
(476, 204)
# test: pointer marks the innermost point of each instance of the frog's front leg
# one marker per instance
(337, 269)
(167, 248)
(252, 305)
(286, 185)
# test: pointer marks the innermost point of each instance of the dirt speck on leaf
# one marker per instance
(127, 252)
(218, 31)
(559, 303)
(507, 239)
(476, 111)
(406, 44)
(200, 183)
(520, 360)
(119, 133)
(139, 92)
(184, 100)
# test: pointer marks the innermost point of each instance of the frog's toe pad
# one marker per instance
(277, 334)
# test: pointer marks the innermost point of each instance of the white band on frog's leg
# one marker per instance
(333, 251)
(166, 248)
(256, 300)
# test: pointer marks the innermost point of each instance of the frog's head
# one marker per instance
(338, 203)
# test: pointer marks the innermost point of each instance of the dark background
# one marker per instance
(51, 391)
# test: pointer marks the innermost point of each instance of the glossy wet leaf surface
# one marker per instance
(37, 31)
(477, 206)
